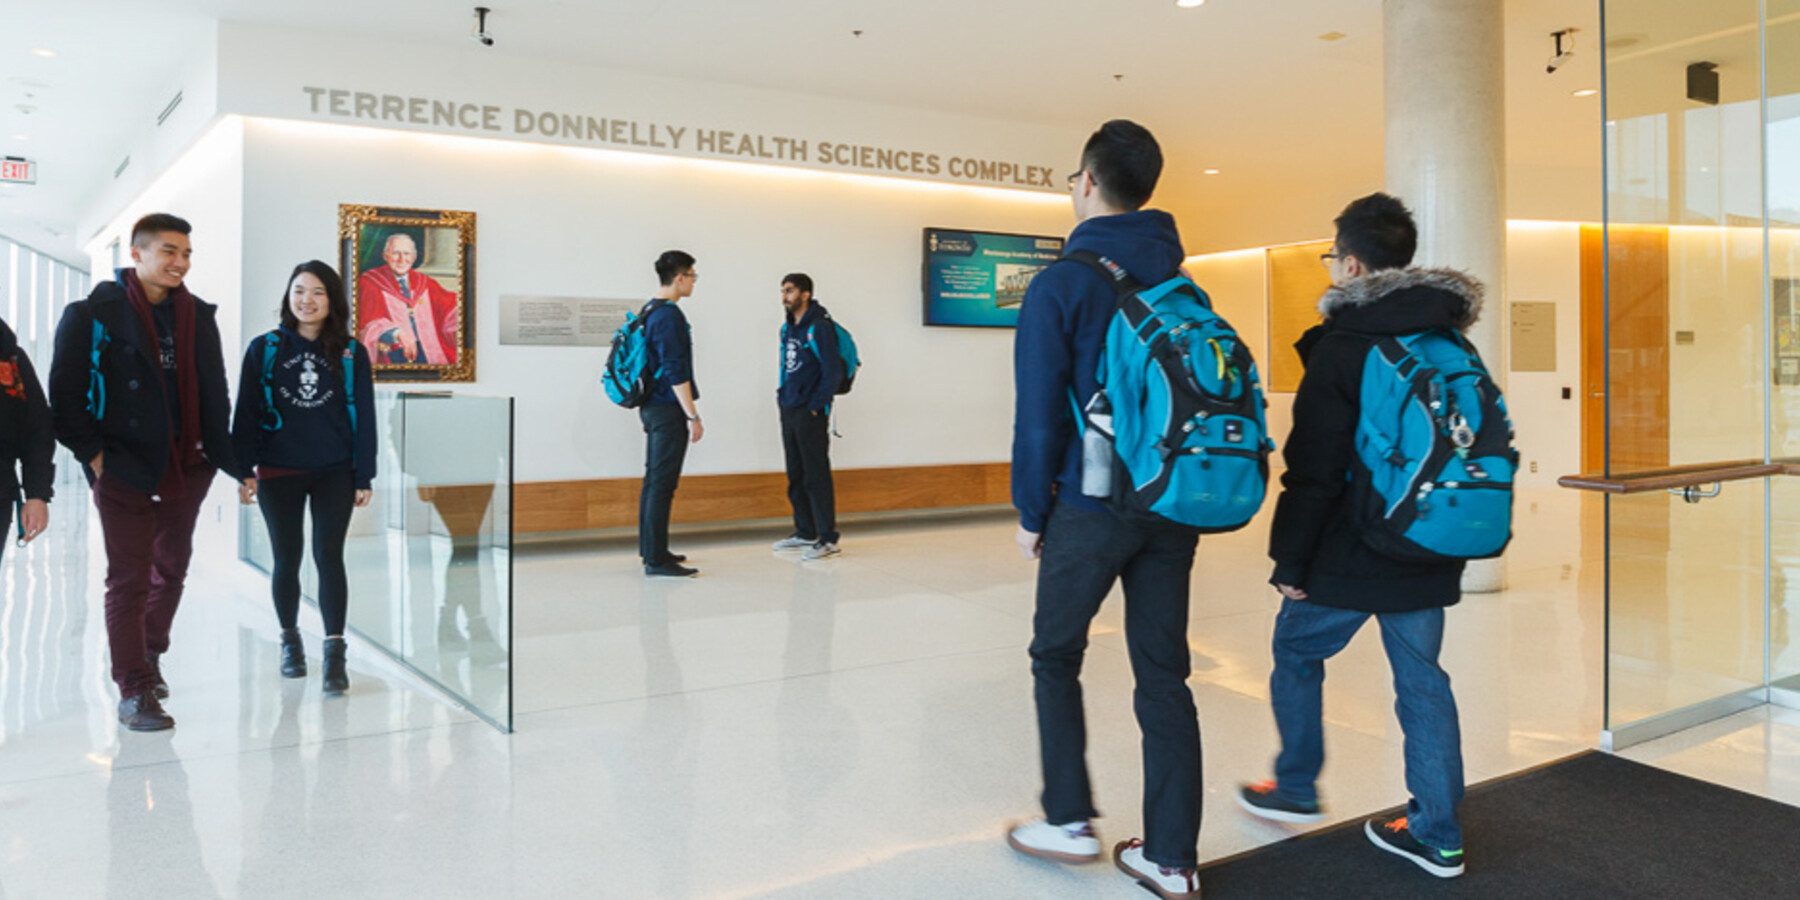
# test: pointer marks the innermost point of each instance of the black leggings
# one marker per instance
(283, 500)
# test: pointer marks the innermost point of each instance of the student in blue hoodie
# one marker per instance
(811, 369)
(305, 424)
(1084, 548)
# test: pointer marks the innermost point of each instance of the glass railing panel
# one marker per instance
(456, 461)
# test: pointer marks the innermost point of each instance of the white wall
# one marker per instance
(574, 222)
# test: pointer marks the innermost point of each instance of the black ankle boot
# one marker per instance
(293, 654)
(336, 680)
(161, 687)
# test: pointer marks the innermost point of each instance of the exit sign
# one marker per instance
(16, 170)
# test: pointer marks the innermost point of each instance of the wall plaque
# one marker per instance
(561, 321)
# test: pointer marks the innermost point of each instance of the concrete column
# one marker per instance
(1445, 100)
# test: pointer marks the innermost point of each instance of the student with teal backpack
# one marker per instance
(1399, 468)
(303, 423)
(818, 361)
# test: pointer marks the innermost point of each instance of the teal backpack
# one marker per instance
(1433, 474)
(846, 351)
(1176, 429)
(625, 375)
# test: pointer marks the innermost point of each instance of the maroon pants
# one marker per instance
(149, 540)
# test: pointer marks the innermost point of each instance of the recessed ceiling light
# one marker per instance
(1188, 4)
(1209, 171)
(1586, 92)
(43, 51)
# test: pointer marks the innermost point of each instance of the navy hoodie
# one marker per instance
(670, 341)
(1062, 325)
(809, 378)
(315, 432)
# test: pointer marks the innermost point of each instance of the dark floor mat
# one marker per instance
(1592, 825)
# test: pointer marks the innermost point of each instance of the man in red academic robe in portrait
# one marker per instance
(405, 316)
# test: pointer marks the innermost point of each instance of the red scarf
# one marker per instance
(185, 454)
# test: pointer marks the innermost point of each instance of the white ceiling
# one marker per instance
(1245, 86)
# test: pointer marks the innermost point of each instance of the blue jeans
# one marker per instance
(1307, 634)
(1084, 554)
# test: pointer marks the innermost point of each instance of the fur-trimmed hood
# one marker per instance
(1401, 301)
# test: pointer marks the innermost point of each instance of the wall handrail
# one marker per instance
(1682, 480)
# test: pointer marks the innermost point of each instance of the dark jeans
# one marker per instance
(665, 447)
(284, 499)
(7, 534)
(806, 437)
(1084, 553)
(149, 540)
(1307, 634)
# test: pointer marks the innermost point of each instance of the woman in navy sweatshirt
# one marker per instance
(304, 423)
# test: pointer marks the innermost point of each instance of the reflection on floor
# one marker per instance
(854, 727)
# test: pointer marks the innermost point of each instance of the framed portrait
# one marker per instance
(411, 277)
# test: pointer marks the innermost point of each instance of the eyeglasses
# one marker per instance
(1326, 258)
(1075, 176)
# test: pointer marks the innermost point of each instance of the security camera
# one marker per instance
(479, 34)
(1562, 55)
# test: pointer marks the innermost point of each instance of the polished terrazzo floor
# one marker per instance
(857, 727)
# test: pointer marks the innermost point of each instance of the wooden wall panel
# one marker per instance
(1639, 348)
(1296, 279)
(543, 506)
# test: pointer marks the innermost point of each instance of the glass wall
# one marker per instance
(430, 558)
(1702, 351)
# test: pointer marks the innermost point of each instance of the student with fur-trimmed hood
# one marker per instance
(1330, 579)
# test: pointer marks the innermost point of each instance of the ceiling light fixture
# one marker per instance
(1586, 92)
(1209, 171)
(43, 51)
(1188, 4)
(21, 137)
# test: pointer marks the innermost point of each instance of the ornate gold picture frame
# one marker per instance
(411, 278)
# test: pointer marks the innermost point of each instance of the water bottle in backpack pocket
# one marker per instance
(1433, 475)
(1187, 433)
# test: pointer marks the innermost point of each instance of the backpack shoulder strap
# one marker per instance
(96, 380)
(271, 419)
(1123, 284)
(350, 398)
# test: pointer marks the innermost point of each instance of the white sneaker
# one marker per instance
(1164, 882)
(1072, 843)
(820, 550)
(793, 542)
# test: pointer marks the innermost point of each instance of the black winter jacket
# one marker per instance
(27, 441)
(1314, 541)
(134, 431)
